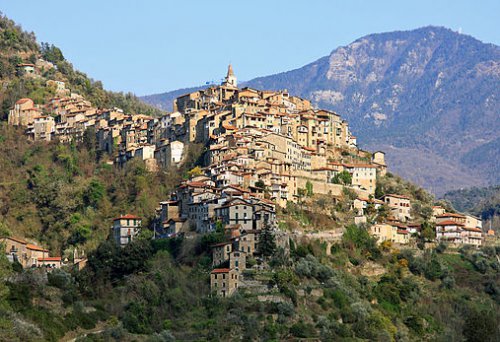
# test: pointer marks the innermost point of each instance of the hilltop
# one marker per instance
(428, 97)
(18, 47)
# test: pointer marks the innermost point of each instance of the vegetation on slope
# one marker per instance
(18, 46)
(159, 291)
(66, 196)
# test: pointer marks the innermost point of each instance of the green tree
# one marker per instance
(428, 232)
(51, 53)
(94, 193)
(481, 326)
(5, 271)
(267, 243)
(309, 189)
(260, 184)
(344, 178)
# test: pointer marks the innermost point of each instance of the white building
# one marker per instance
(126, 228)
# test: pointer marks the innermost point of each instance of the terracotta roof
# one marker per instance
(229, 127)
(449, 223)
(221, 270)
(50, 259)
(16, 239)
(451, 215)
(36, 248)
(473, 229)
(197, 184)
(23, 100)
(127, 217)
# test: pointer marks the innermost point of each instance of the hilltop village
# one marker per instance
(263, 150)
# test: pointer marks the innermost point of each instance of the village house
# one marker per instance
(27, 68)
(50, 262)
(175, 225)
(23, 113)
(237, 260)
(237, 211)
(393, 232)
(19, 250)
(224, 281)
(221, 252)
(126, 228)
(364, 176)
(452, 228)
(399, 205)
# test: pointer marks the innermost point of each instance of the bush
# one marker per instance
(441, 248)
(303, 330)
(59, 278)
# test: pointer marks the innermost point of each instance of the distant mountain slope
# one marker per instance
(430, 95)
(165, 101)
(483, 202)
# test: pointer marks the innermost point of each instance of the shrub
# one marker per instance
(303, 330)
(59, 278)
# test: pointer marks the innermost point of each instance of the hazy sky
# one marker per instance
(153, 46)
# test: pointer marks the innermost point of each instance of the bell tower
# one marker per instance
(230, 79)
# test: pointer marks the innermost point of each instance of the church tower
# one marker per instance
(230, 79)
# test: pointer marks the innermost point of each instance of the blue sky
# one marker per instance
(153, 46)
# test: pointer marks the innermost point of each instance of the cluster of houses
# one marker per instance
(263, 149)
(451, 228)
(30, 255)
(267, 135)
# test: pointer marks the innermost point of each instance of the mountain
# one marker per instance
(427, 97)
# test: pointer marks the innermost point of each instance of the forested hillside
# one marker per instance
(157, 290)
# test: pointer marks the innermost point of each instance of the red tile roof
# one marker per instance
(50, 259)
(17, 239)
(36, 248)
(221, 270)
(471, 229)
(451, 215)
(449, 223)
(127, 217)
(23, 100)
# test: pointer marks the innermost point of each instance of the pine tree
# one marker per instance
(267, 242)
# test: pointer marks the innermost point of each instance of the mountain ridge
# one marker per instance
(429, 90)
